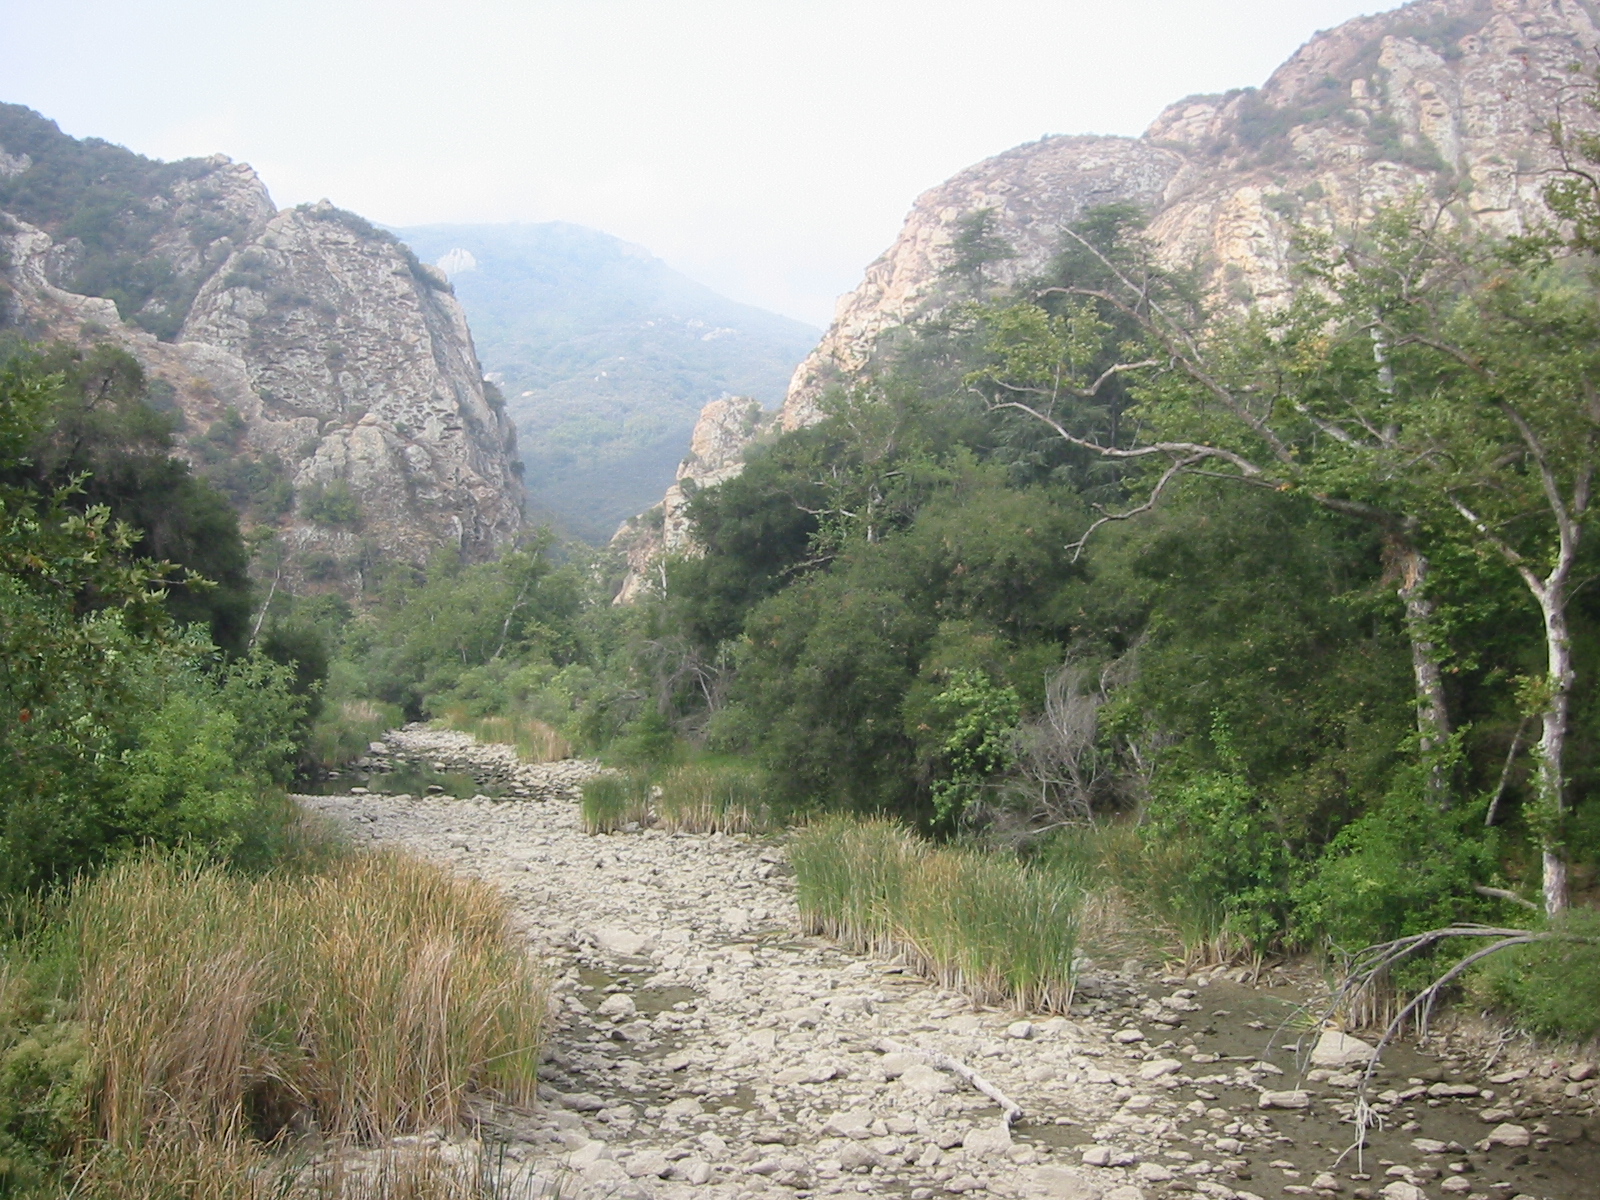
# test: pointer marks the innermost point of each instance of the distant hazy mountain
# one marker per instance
(605, 355)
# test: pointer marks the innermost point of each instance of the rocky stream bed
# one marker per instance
(702, 1048)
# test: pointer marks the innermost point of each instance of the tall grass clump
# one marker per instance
(362, 1002)
(850, 879)
(613, 799)
(535, 741)
(711, 798)
(983, 923)
(344, 731)
(1153, 884)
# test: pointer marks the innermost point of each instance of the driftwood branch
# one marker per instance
(1009, 1107)
(1495, 893)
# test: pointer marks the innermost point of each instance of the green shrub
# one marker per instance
(330, 504)
(711, 798)
(613, 800)
(1158, 879)
(344, 732)
(1550, 987)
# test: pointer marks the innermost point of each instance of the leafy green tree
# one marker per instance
(115, 727)
(99, 436)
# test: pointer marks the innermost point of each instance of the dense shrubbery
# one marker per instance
(898, 610)
(122, 726)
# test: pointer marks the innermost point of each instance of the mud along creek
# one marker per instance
(703, 1048)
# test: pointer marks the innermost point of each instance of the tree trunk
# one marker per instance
(1552, 789)
(1433, 711)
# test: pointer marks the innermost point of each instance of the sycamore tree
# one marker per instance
(1444, 390)
(1232, 398)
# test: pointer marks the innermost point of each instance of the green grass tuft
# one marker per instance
(983, 923)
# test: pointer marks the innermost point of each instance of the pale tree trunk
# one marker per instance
(1433, 710)
(1552, 784)
(1552, 592)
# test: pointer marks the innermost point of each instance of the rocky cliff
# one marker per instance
(322, 376)
(725, 430)
(1449, 98)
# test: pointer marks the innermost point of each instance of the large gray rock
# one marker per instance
(1337, 1049)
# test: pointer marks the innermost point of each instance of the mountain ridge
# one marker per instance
(605, 354)
(1447, 98)
(319, 373)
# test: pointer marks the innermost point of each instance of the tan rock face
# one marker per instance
(1443, 98)
(1032, 191)
(725, 430)
(345, 360)
(363, 372)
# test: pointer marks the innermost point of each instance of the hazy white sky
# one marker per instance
(769, 148)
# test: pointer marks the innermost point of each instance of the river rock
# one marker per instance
(1294, 1099)
(1336, 1049)
(925, 1079)
(1060, 1183)
(983, 1142)
(1508, 1135)
(853, 1123)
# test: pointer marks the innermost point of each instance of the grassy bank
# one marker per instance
(691, 798)
(982, 923)
(171, 1019)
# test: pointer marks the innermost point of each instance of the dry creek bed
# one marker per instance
(702, 1048)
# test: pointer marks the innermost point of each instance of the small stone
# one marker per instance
(1326, 1183)
(856, 1156)
(853, 1123)
(1401, 1190)
(1456, 1185)
(1022, 1030)
(926, 1080)
(1336, 1049)
(618, 1005)
(683, 1109)
(696, 1171)
(983, 1142)
(1508, 1135)
(895, 1065)
(1578, 1072)
(624, 943)
(1156, 1068)
(963, 1183)
(647, 1164)
(1452, 1091)
(583, 1102)
(1060, 1183)
(1430, 1145)
(1127, 1036)
(1149, 1172)
(1294, 1099)
(1493, 1116)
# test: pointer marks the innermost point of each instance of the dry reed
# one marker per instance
(980, 923)
(363, 1002)
(535, 741)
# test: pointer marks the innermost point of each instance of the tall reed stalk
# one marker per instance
(363, 1002)
(979, 922)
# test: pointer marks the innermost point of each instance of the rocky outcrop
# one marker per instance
(362, 374)
(1032, 191)
(1446, 99)
(725, 431)
(322, 376)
